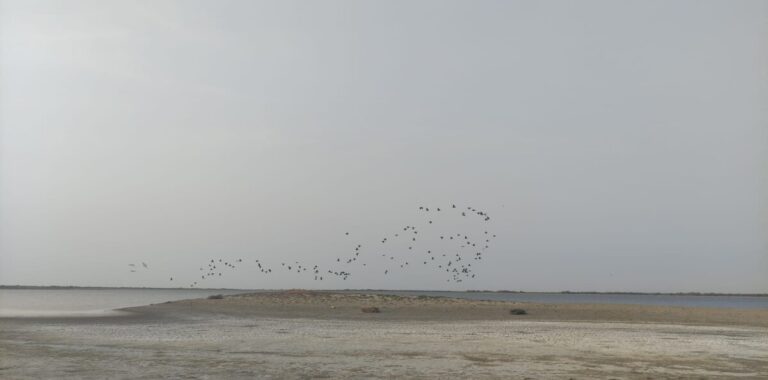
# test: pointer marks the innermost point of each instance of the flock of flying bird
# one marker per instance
(428, 245)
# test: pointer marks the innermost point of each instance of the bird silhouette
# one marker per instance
(462, 242)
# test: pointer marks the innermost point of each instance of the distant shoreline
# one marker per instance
(57, 287)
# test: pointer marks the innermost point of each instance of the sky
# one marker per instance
(618, 146)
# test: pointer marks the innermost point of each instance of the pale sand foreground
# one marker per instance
(311, 335)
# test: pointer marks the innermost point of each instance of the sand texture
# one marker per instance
(300, 335)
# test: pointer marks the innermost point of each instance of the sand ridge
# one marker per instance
(312, 334)
(347, 306)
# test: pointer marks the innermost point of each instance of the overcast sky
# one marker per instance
(618, 145)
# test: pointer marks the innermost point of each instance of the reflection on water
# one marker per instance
(88, 302)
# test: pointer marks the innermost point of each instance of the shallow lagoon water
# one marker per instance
(82, 302)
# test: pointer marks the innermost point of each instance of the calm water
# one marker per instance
(83, 302)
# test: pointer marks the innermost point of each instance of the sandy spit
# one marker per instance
(346, 306)
(302, 335)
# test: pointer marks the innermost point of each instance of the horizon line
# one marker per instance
(394, 290)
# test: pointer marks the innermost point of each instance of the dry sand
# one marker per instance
(329, 305)
(300, 334)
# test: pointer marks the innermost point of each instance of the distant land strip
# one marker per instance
(396, 290)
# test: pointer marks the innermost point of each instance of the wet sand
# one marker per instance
(298, 334)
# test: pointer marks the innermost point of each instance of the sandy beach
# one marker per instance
(301, 334)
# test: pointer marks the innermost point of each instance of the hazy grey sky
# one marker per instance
(619, 145)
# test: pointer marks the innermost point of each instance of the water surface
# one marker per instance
(44, 302)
